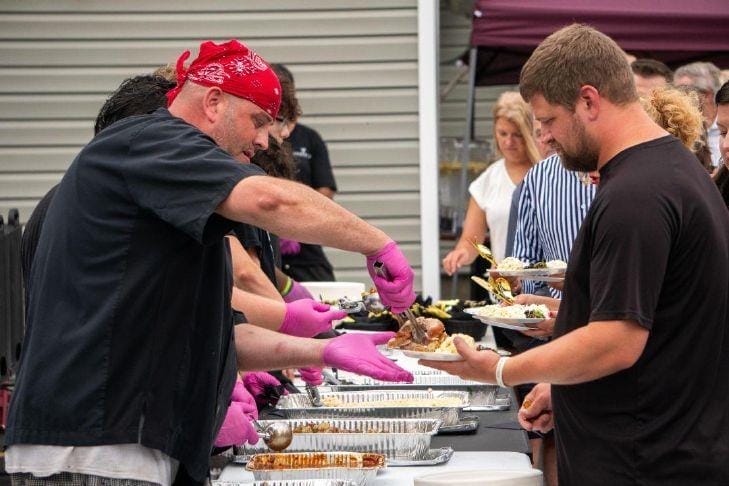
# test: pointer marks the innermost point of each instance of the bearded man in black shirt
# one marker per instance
(639, 368)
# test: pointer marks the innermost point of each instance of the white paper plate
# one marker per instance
(432, 356)
(528, 272)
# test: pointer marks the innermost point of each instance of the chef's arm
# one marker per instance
(265, 312)
(247, 273)
(262, 349)
(295, 211)
(599, 349)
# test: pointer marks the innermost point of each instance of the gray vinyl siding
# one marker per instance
(356, 73)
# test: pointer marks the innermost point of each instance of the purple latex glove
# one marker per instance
(357, 353)
(289, 247)
(307, 318)
(256, 383)
(397, 293)
(237, 427)
(297, 292)
(311, 376)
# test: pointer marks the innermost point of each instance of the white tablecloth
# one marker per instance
(403, 476)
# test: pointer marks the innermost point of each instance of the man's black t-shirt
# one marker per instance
(129, 327)
(314, 169)
(253, 237)
(654, 249)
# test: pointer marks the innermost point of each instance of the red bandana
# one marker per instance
(233, 68)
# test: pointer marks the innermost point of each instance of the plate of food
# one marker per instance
(439, 345)
(517, 317)
(552, 270)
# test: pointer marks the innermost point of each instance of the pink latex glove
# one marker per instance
(307, 318)
(256, 383)
(289, 247)
(397, 292)
(237, 427)
(242, 396)
(311, 376)
(297, 292)
(357, 353)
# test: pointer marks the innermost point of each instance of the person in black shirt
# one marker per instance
(721, 177)
(129, 343)
(302, 261)
(639, 365)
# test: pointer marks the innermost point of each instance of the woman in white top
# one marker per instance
(488, 207)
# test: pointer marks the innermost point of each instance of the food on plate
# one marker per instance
(516, 311)
(510, 263)
(336, 402)
(267, 462)
(435, 332)
(557, 265)
(447, 346)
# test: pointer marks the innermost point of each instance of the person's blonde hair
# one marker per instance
(677, 112)
(511, 107)
(575, 56)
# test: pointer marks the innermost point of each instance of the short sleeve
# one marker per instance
(178, 173)
(477, 189)
(629, 256)
(321, 167)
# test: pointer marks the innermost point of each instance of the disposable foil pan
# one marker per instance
(348, 466)
(401, 439)
(359, 404)
(482, 397)
(291, 482)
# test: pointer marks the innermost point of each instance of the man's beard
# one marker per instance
(585, 156)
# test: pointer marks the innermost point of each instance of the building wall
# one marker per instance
(356, 73)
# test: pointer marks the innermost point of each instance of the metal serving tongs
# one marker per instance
(485, 253)
(499, 287)
(419, 334)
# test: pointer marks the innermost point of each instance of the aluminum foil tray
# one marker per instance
(298, 406)
(482, 397)
(433, 457)
(347, 466)
(402, 439)
(292, 482)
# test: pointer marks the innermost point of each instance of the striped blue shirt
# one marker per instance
(552, 206)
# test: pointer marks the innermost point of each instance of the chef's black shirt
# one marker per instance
(653, 249)
(129, 328)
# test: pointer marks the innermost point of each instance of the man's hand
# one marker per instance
(542, 330)
(528, 299)
(357, 353)
(395, 291)
(307, 318)
(238, 427)
(535, 413)
(477, 365)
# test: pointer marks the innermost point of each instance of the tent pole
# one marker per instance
(465, 152)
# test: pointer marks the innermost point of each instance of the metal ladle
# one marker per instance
(277, 435)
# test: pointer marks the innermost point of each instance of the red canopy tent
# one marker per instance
(674, 31)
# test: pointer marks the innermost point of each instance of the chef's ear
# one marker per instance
(214, 104)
